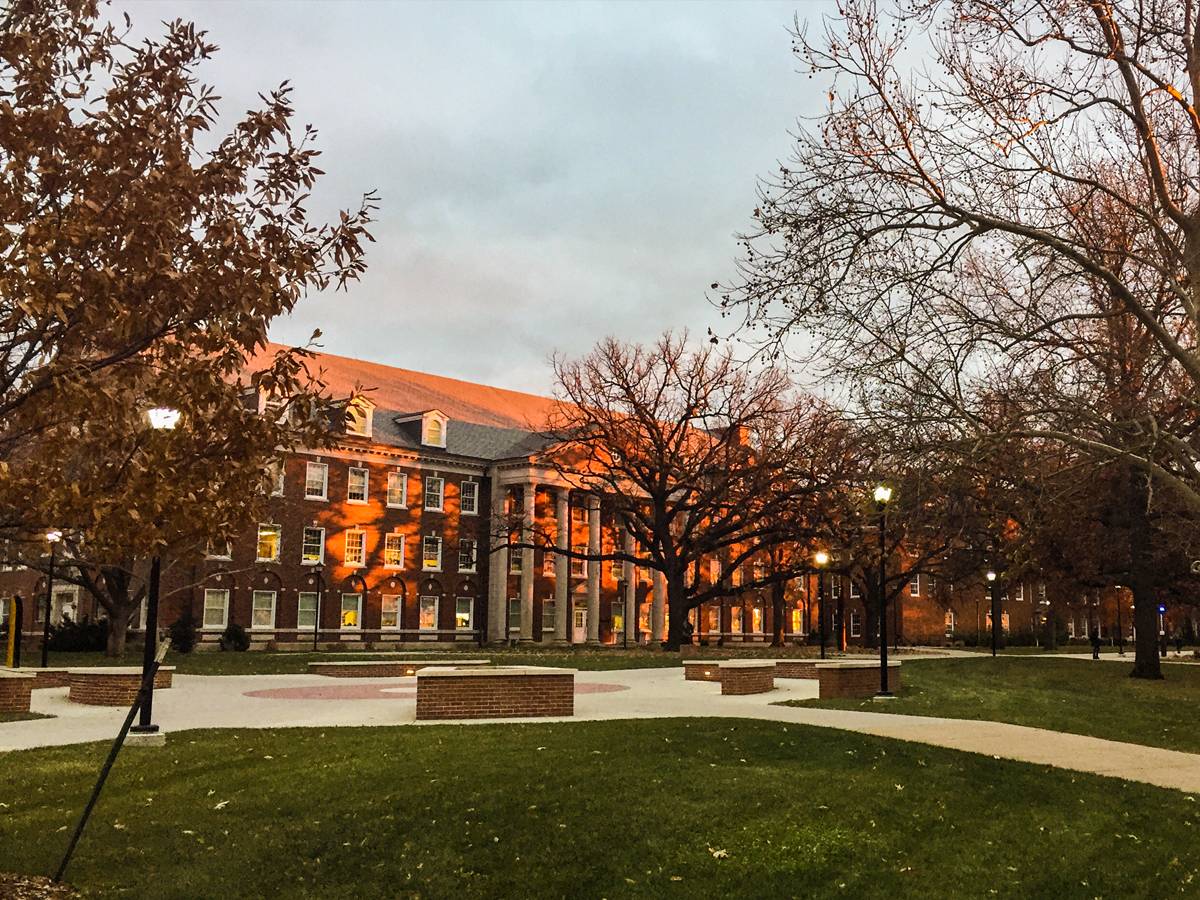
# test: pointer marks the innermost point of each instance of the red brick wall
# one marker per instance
(110, 689)
(495, 696)
(15, 693)
(837, 681)
(702, 672)
(796, 668)
(748, 680)
(49, 678)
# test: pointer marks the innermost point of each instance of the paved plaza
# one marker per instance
(314, 701)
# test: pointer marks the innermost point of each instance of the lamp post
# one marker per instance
(53, 536)
(162, 418)
(821, 560)
(317, 571)
(1120, 629)
(883, 495)
(994, 587)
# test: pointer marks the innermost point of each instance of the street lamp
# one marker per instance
(994, 587)
(883, 496)
(821, 560)
(162, 418)
(53, 536)
(317, 570)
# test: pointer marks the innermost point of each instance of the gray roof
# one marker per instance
(466, 439)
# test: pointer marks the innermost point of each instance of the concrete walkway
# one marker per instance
(282, 701)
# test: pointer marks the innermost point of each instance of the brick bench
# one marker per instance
(16, 690)
(112, 685)
(747, 676)
(500, 692)
(385, 668)
(701, 670)
(45, 678)
(796, 668)
(857, 678)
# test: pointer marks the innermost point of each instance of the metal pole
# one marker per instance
(995, 615)
(150, 649)
(821, 609)
(49, 598)
(883, 656)
(317, 612)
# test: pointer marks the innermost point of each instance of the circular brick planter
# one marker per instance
(854, 679)
(112, 685)
(495, 693)
(391, 668)
(16, 689)
(746, 676)
(45, 678)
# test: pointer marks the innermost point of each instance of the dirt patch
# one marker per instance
(33, 887)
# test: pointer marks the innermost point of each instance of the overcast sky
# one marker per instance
(548, 173)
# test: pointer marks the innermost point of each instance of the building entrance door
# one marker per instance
(579, 625)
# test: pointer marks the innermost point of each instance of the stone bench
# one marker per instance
(385, 668)
(16, 690)
(854, 678)
(747, 676)
(45, 678)
(796, 668)
(500, 692)
(112, 685)
(701, 670)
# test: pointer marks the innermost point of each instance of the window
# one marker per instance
(616, 569)
(462, 613)
(756, 619)
(356, 547)
(356, 486)
(549, 614)
(855, 624)
(835, 587)
(644, 617)
(262, 611)
(579, 515)
(351, 611)
(950, 623)
(760, 571)
(433, 430)
(1020, 591)
(390, 611)
(914, 586)
(397, 490)
(429, 613)
(735, 577)
(855, 591)
(306, 610)
(275, 473)
(219, 550)
(469, 498)
(312, 549)
(735, 620)
(712, 620)
(216, 608)
(516, 560)
(714, 570)
(579, 566)
(431, 553)
(1042, 591)
(358, 418)
(514, 614)
(393, 551)
(548, 564)
(466, 555)
(316, 481)
(268, 543)
(1004, 622)
(433, 492)
(618, 617)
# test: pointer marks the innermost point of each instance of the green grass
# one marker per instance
(660, 809)
(1078, 696)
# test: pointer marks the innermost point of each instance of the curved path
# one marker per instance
(280, 701)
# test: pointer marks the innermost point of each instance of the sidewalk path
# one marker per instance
(199, 701)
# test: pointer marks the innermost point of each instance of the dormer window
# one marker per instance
(433, 429)
(358, 417)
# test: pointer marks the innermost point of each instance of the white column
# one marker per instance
(630, 585)
(528, 504)
(562, 565)
(497, 567)
(594, 568)
(658, 608)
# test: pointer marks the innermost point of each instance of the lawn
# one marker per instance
(1080, 696)
(667, 808)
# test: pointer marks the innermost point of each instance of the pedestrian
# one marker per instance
(1095, 643)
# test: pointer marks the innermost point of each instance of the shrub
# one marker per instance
(235, 638)
(184, 633)
(78, 637)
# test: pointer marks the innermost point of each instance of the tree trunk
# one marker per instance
(118, 625)
(676, 612)
(778, 615)
(1145, 604)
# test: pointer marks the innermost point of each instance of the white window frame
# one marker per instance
(254, 595)
(367, 412)
(279, 473)
(421, 607)
(549, 603)
(473, 509)
(425, 567)
(306, 626)
(1020, 592)
(278, 529)
(514, 614)
(470, 602)
(396, 476)
(304, 561)
(440, 493)
(582, 564)
(951, 622)
(399, 602)
(362, 546)
(855, 593)
(324, 472)
(914, 585)
(474, 567)
(204, 626)
(516, 561)
(357, 626)
(855, 623)
(428, 421)
(387, 538)
(366, 485)
(835, 587)
(228, 554)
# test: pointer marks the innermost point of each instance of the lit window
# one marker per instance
(316, 481)
(714, 570)
(393, 551)
(760, 571)
(616, 569)
(312, 550)
(431, 553)
(466, 555)
(735, 620)
(433, 493)
(949, 622)
(397, 490)
(429, 613)
(351, 611)
(713, 620)
(618, 617)
(262, 614)
(216, 608)
(579, 566)
(268, 543)
(306, 609)
(356, 486)
(356, 547)
(469, 498)
(390, 611)
(548, 564)
(462, 613)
